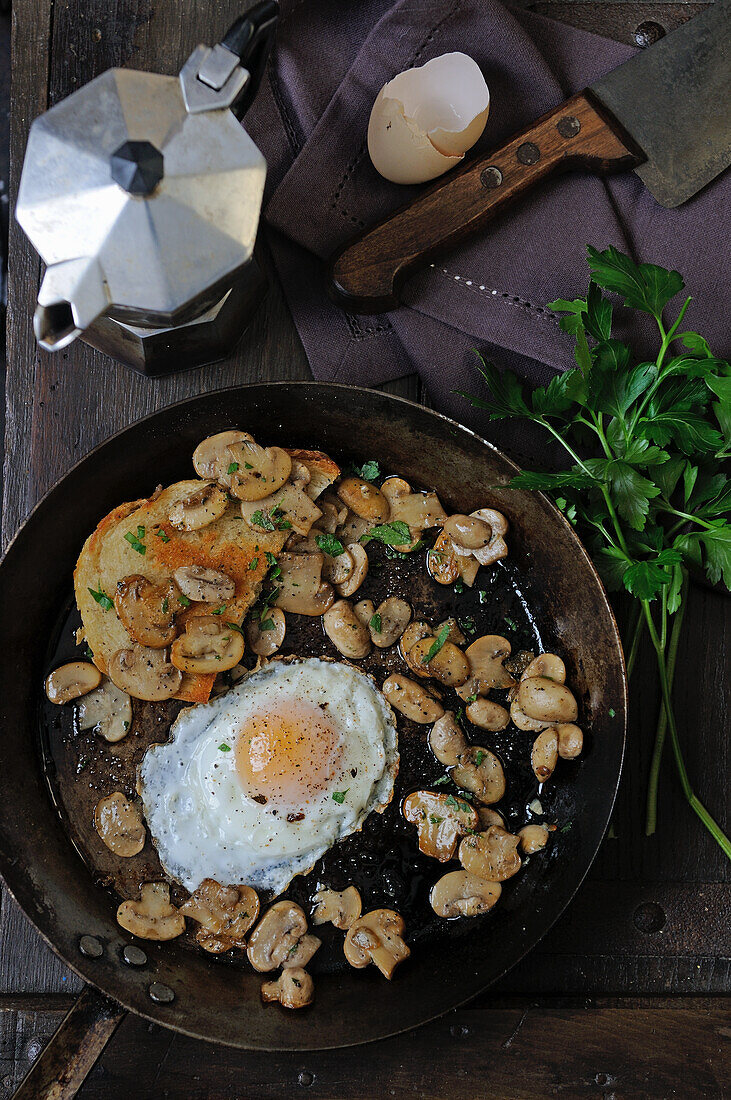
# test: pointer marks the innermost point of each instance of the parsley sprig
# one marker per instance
(647, 484)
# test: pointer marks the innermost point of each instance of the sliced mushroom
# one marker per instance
(547, 665)
(209, 644)
(211, 458)
(266, 634)
(302, 952)
(107, 710)
(147, 610)
(337, 569)
(469, 532)
(518, 663)
(346, 632)
(544, 754)
(523, 722)
(299, 475)
(119, 824)
(441, 820)
(352, 528)
(489, 817)
(72, 680)
(333, 513)
(570, 740)
(486, 656)
(448, 665)
(276, 935)
(414, 633)
(145, 673)
(377, 937)
(468, 569)
(353, 582)
(302, 589)
(533, 838)
(225, 914)
(153, 917)
(199, 508)
(460, 894)
(442, 562)
(497, 547)
(492, 855)
(447, 740)
(391, 619)
(364, 611)
(289, 507)
(204, 585)
(411, 700)
(293, 988)
(340, 907)
(546, 701)
(455, 635)
(256, 472)
(363, 498)
(487, 715)
(478, 770)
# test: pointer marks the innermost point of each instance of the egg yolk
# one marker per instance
(287, 757)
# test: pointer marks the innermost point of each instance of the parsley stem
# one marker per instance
(693, 801)
(637, 632)
(662, 721)
(671, 510)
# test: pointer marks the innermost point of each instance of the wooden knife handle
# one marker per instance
(365, 277)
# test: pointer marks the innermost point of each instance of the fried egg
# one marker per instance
(255, 786)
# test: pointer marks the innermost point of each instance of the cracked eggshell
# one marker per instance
(425, 119)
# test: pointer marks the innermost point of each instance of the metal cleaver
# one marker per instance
(666, 113)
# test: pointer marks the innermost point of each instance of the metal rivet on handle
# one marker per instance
(134, 956)
(491, 177)
(568, 126)
(91, 947)
(161, 994)
(648, 33)
(528, 153)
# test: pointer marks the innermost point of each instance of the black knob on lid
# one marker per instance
(137, 166)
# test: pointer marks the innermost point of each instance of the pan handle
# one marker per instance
(60, 1071)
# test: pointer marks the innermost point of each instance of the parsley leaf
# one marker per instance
(436, 644)
(339, 796)
(393, 534)
(375, 622)
(369, 471)
(134, 541)
(330, 545)
(101, 598)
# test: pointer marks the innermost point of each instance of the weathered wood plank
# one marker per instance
(519, 1052)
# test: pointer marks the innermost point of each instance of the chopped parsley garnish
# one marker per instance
(271, 559)
(482, 595)
(134, 540)
(267, 624)
(126, 725)
(471, 699)
(435, 819)
(223, 747)
(339, 796)
(89, 653)
(232, 468)
(440, 781)
(566, 828)
(457, 805)
(468, 625)
(165, 606)
(253, 564)
(235, 626)
(479, 757)
(101, 598)
(510, 623)
(369, 471)
(330, 545)
(183, 601)
(220, 610)
(261, 519)
(161, 535)
(375, 623)
(436, 644)
(459, 586)
(393, 534)
(612, 712)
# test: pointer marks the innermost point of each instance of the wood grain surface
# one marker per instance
(593, 1011)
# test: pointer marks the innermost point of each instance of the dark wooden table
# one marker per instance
(624, 998)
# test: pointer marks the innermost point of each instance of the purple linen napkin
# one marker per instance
(310, 120)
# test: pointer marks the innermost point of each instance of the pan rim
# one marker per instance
(156, 1016)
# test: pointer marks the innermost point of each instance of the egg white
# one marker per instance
(201, 819)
